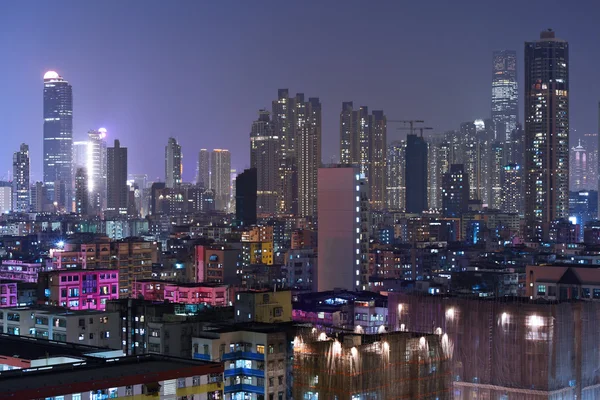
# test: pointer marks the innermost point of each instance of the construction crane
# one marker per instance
(412, 123)
(424, 128)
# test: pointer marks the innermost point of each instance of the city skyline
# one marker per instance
(130, 119)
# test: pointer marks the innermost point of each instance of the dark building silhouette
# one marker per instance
(546, 133)
(81, 192)
(245, 197)
(416, 174)
(455, 191)
(117, 190)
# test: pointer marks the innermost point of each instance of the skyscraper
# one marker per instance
(455, 191)
(246, 197)
(416, 174)
(505, 96)
(20, 183)
(546, 133)
(396, 188)
(512, 189)
(220, 176)
(343, 229)
(308, 153)
(82, 194)
(96, 169)
(264, 156)
(283, 121)
(496, 175)
(117, 189)
(203, 177)
(363, 142)
(579, 168)
(439, 162)
(173, 166)
(80, 152)
(58, 138)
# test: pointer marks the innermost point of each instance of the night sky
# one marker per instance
(199, 70)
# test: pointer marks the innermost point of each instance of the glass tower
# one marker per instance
(505, 96)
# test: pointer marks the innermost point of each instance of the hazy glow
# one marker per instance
(51, 75)
(535, 321)
(450, 314)
(102, 132)
(322, 337)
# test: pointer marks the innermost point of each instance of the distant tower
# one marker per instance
(173, 166)
(512, 198)
(58, 139)
(546, 133)
(264, 157)
(455, 192)
(81, 191)
(416, 174)
(308, 154)
(21, 190)
(496, 175)
(245, 197)
(117, 189)
(220, 177)
(396, 188)
(505, 95)
(579, 168)
(203, 178)
(80, 152)
(96, 169)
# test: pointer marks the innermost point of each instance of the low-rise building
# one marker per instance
(81, 289)
(20, 271)
(263, 306)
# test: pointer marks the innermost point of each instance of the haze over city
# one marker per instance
(199, 71)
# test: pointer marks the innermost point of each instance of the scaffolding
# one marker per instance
(398, 365)
(510, 348)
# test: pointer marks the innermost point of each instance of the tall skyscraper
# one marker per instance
(284, 124)
(416, 174)
(343, 229)
(264, 157)
(512, 198)
(363, 142)
(439, 162)
(82, 194)
(117, 189)
(590, 142)
(203, 177)
(220, 176)
(546, 133)
(58, 138)
(20, 183)
(579, 168)
(96, 169)
(308, 153)
(5, 197)
(38, 197)
(173, 166)
(246, 197)
(455, 191)
(505, 96)
(396, 163)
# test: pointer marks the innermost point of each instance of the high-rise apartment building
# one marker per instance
(38, 197)
(512, 193)
(5, 197)
(363, 142)
(579, 168)
(246, 197)
(496, 175)
(416, 174)
(96, 169)
(297, 124)
(82, 194)
(343, 239)
(20, 183)
(80, 153)
(117, 189)
(505, 96)
(439, 162)
(220, 177)
(173, 166)
(455, 191)
(264, 157)
(203, 176)
(590, 142)
(308, 153)
(58, 139)
(396, 187)
(546, 133)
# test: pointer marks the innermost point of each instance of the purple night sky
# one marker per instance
(200, 70)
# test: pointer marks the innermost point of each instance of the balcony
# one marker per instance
(244, 371)
(205, 357)
(245, 388)
(243, 355)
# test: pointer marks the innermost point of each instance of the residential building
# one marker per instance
(579, 168)
(5, 198)
(343, 238)
(264, 157)
(246, 197)
(257, 246)
(396, 163)
(96, 169)
(20, 271)
(82, 194)
(220, 178)
(81, 289)
(455, 191)
(173, 165)
(308, 153)
(203, 176)
(415, 174)
(546, 133)
(216, 263)
(21, 189)
(263, 306)
(512, 194)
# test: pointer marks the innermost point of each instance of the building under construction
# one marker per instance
(398, 365)
(510, 348)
